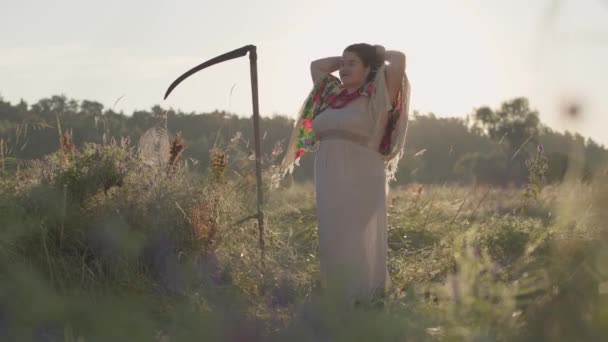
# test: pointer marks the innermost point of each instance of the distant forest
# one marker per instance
(489, 146)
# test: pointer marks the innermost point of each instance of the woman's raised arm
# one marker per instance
(394, 72)
(323, 66)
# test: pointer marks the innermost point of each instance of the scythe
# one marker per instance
(251, 49)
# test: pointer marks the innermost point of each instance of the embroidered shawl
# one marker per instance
(390, 122)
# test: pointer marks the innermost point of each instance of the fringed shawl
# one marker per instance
(390, 122)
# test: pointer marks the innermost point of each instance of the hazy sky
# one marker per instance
(461, 54)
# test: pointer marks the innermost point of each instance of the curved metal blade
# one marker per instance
(219, 59)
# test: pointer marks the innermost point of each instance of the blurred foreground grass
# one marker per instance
(98, 245)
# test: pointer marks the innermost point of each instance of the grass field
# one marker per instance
(98, 245)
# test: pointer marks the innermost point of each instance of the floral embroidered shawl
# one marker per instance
(389, 133)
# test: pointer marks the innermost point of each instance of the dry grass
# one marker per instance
(113, 248)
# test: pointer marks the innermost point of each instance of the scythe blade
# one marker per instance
(240, 52)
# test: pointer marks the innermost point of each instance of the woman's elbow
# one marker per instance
(398, 59)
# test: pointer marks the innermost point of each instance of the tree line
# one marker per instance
(489, 146)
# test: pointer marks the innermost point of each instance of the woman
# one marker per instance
(357, 125)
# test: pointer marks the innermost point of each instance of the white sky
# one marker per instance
(462, 54)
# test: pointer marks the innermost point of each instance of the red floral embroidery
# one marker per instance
(300, 152)
(370, 88)
(307, 123)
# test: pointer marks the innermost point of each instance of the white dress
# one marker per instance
(351, 203)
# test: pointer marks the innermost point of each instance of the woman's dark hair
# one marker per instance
(369, 56)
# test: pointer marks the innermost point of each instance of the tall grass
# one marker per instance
(97, 245)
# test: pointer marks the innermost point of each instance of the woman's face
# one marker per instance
(352, 71)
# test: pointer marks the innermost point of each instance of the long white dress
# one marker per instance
(351, 202)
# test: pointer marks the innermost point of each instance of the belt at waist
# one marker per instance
(342, 135)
